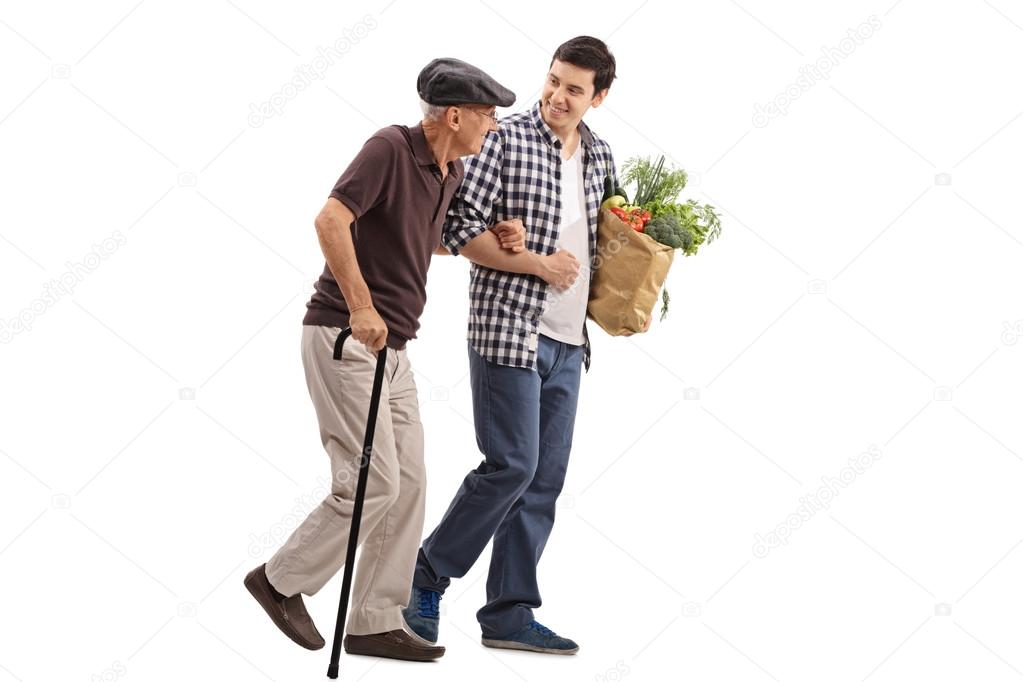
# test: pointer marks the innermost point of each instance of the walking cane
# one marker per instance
(360, 495)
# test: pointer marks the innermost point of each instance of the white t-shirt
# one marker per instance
(565, 313)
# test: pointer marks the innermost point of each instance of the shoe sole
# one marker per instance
(399, 653)
(258, 590)
(518, 646)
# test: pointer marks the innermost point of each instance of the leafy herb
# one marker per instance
(654, 182)
(701, 222)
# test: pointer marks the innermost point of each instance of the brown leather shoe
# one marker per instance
(288, 614)
(394, 644)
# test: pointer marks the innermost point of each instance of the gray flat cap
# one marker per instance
(451, 81)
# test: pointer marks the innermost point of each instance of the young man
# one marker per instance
(378, 231)
(527, 345)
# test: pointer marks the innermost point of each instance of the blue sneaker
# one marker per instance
(422, 614)
(534, 637)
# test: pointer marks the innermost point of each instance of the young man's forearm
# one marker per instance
(333, 228)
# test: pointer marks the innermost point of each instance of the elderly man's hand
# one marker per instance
(512, 234)
(368, 328)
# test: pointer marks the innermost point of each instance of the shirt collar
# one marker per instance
(420, 147)
(585, 136)
(424, 155)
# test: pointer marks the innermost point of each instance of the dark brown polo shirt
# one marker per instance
(394, 188)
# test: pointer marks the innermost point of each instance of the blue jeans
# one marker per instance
(524, 421)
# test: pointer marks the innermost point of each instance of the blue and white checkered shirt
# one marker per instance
(518, 175)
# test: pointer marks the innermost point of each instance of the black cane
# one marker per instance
(360, 495)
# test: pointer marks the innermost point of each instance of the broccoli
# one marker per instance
(668, 230)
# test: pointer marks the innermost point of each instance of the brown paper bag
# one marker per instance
(629, 271)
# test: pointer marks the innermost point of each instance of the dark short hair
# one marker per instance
(590, 53)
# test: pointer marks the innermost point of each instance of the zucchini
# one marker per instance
(609, 188)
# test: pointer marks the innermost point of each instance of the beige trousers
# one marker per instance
(392, 515)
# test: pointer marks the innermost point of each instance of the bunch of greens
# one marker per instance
(654, 183)
(700, 222)
(686, 225)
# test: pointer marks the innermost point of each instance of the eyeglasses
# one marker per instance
(492, 116)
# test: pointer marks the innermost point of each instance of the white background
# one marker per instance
(865, 293)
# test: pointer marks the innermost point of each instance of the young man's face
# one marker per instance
(567, 95)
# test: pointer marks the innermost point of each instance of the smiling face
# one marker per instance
(567, 95)
(475, 121)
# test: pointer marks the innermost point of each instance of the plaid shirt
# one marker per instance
(518, 175)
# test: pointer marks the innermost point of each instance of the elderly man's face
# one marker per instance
(474, 125)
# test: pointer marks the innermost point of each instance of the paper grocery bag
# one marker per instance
(629, 271)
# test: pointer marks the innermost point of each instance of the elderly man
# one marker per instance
(378, 231)
(527, 345)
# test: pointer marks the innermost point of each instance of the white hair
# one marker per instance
(432, 112)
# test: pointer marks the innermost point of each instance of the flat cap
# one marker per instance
(451, 81)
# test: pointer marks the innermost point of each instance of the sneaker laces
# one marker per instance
(545, 631)
(429, 604)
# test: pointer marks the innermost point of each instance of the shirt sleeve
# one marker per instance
(471, 209)
(366, 181)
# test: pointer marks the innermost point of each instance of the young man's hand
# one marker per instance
(559, 269)
(368, 328)
(512, 234)
(646, 327)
